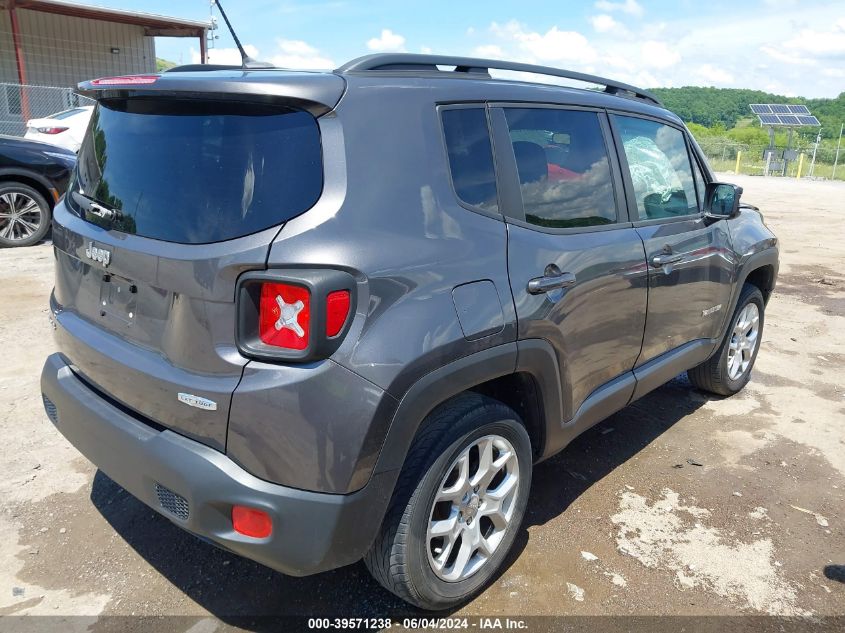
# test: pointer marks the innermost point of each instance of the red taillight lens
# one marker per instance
(51, 130)
(251, 522)
(125, 79)
(284, 315)
(337, 309)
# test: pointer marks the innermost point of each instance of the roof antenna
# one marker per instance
(246, 60)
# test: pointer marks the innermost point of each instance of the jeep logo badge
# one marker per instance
(98, 254)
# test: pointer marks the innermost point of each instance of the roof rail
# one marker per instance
(410, 61)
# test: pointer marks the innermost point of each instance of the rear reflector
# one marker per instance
(284, 315)
(124, 80)
(50, 130)
(337, 309)
(251, 522)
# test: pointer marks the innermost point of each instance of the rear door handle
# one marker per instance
(661, 260)
(539, 285)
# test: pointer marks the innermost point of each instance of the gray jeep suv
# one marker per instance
(320, 317)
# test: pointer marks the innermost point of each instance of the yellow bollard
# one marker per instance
(800, 164)
(738, 156)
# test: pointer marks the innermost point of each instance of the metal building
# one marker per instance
(59, 43)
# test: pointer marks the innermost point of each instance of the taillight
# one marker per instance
(284, 315)
(294, 315)
(251, 522)
(51, 130)
(337, 309)
(125, 80)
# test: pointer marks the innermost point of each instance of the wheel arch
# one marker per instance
(32, 179)
(518, 374)
(763, 276)
(759, 269)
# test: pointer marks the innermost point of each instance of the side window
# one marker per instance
(660, 168)
(564, 173)
(470, 157)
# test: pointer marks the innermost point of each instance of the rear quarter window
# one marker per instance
(197, 172)
(470, 157)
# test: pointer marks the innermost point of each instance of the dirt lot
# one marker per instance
(680, 504)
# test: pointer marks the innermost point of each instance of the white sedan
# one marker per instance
(65, 129)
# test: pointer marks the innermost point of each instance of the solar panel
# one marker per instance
(783, 114)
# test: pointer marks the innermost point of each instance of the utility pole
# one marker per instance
(836, 160)
(815, 149)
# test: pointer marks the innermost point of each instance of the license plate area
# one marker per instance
(118, 299)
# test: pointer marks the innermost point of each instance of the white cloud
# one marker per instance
(290, 54)
(388, 42)
(230, 56)
(714, 75)
(833, 72)
(659, 54)
(619, 61)
(797, 50)
(490, 51)
(829, 43)
(425, 50)
(631, 7)
(786, 58)
(604, 23)
(552, 46)
(299, 54)
(645, 79)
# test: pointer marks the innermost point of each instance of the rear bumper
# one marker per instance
(312, 532)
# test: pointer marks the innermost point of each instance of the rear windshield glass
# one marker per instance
(197, 172)
(66, 114)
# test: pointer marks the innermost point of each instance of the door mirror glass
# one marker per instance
(722, 200)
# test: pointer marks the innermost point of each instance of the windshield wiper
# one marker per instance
(97, 208)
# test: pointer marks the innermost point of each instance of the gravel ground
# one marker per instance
(681, 504)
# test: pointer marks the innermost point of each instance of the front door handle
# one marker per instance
(546, 283)
(661, 260)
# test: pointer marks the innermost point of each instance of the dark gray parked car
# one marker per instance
(33, 176)
(319, 317)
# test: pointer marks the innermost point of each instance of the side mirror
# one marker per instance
(721, 200)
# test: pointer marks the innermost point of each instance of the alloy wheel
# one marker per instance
(743, 341)
(20, 216)
(473, 508)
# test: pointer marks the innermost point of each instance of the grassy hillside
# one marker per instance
(712, 107)
(163, 64)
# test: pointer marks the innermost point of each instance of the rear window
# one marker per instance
(66, 114)
(196, 172)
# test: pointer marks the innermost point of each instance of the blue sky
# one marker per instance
(788, 47)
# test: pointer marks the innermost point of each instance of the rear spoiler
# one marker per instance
(317, 93)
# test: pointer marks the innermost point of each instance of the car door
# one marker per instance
(689, 257)
(577, 266)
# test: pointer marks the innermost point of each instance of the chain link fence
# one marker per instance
(722, 156)
(20, 103)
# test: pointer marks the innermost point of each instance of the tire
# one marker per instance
(721, 374)
(405, 558)
(24, 215)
